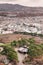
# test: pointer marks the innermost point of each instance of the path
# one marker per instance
(20, 57)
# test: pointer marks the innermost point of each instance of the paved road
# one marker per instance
(20, 57)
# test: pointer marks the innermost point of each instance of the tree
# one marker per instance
(14, 43)
(10, 53)
(22, 42)
(35, 50)
(31, 40)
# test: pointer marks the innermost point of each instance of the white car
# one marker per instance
(23, 50)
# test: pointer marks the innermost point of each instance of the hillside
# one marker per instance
(20, 10)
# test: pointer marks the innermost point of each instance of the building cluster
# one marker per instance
(21, 24)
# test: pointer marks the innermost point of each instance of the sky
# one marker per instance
(32, 3)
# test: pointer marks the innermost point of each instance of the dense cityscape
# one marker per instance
(21, 24)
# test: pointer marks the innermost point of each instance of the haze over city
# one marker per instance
(32, 3)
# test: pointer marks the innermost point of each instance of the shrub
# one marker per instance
(14, 43)
(31, 40)
(10, 53)
(35, 50)
(22, 42)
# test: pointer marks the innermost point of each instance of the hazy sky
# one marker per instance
(25, 2)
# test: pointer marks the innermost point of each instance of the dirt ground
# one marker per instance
(7, 38)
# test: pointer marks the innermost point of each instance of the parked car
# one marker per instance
(23, 50)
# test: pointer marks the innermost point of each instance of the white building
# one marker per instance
(7, 32)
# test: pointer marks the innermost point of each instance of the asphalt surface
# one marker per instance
(20, 57)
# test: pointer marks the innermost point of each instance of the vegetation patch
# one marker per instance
(35, 53)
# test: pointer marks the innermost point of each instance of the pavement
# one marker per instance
(20, 57)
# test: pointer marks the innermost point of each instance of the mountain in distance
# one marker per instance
(21, 9)
(15, 7)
